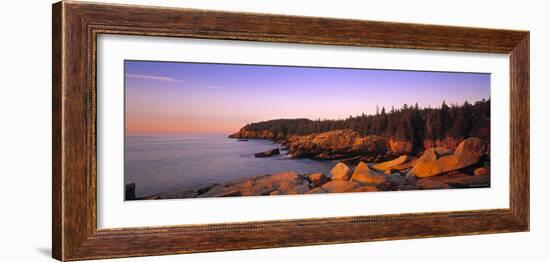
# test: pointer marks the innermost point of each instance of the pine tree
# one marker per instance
(408, 123)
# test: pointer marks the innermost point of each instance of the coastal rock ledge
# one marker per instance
(437, 168)
(268, 153)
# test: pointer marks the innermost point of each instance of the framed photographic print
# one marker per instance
(182, 130)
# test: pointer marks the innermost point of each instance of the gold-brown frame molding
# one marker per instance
(75, 28)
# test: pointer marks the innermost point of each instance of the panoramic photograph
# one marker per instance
(203, 130)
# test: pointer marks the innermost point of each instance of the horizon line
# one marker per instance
(132, 133)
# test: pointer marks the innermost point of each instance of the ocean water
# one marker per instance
(163, 163)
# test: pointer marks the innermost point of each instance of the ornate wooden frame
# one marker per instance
(76, 26)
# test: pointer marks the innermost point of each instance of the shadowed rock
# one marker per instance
(186, 193)
(318, 179)
(469, 181)
(130, 191)
(340, 186)
(431, 184)
(453, 180)
(268, 153)
(174, 194)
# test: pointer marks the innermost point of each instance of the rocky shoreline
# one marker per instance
(465, 166)
(346, 145)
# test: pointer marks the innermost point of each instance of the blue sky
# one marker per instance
(174, 97)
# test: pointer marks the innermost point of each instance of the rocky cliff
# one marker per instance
(249, 134)
(347, 144)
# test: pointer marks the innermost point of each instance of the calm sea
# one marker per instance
(162, 163)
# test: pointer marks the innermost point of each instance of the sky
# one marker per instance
(197, 98)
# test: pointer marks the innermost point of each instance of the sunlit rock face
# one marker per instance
(340, 172)
(438, 161)
(437, 168)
